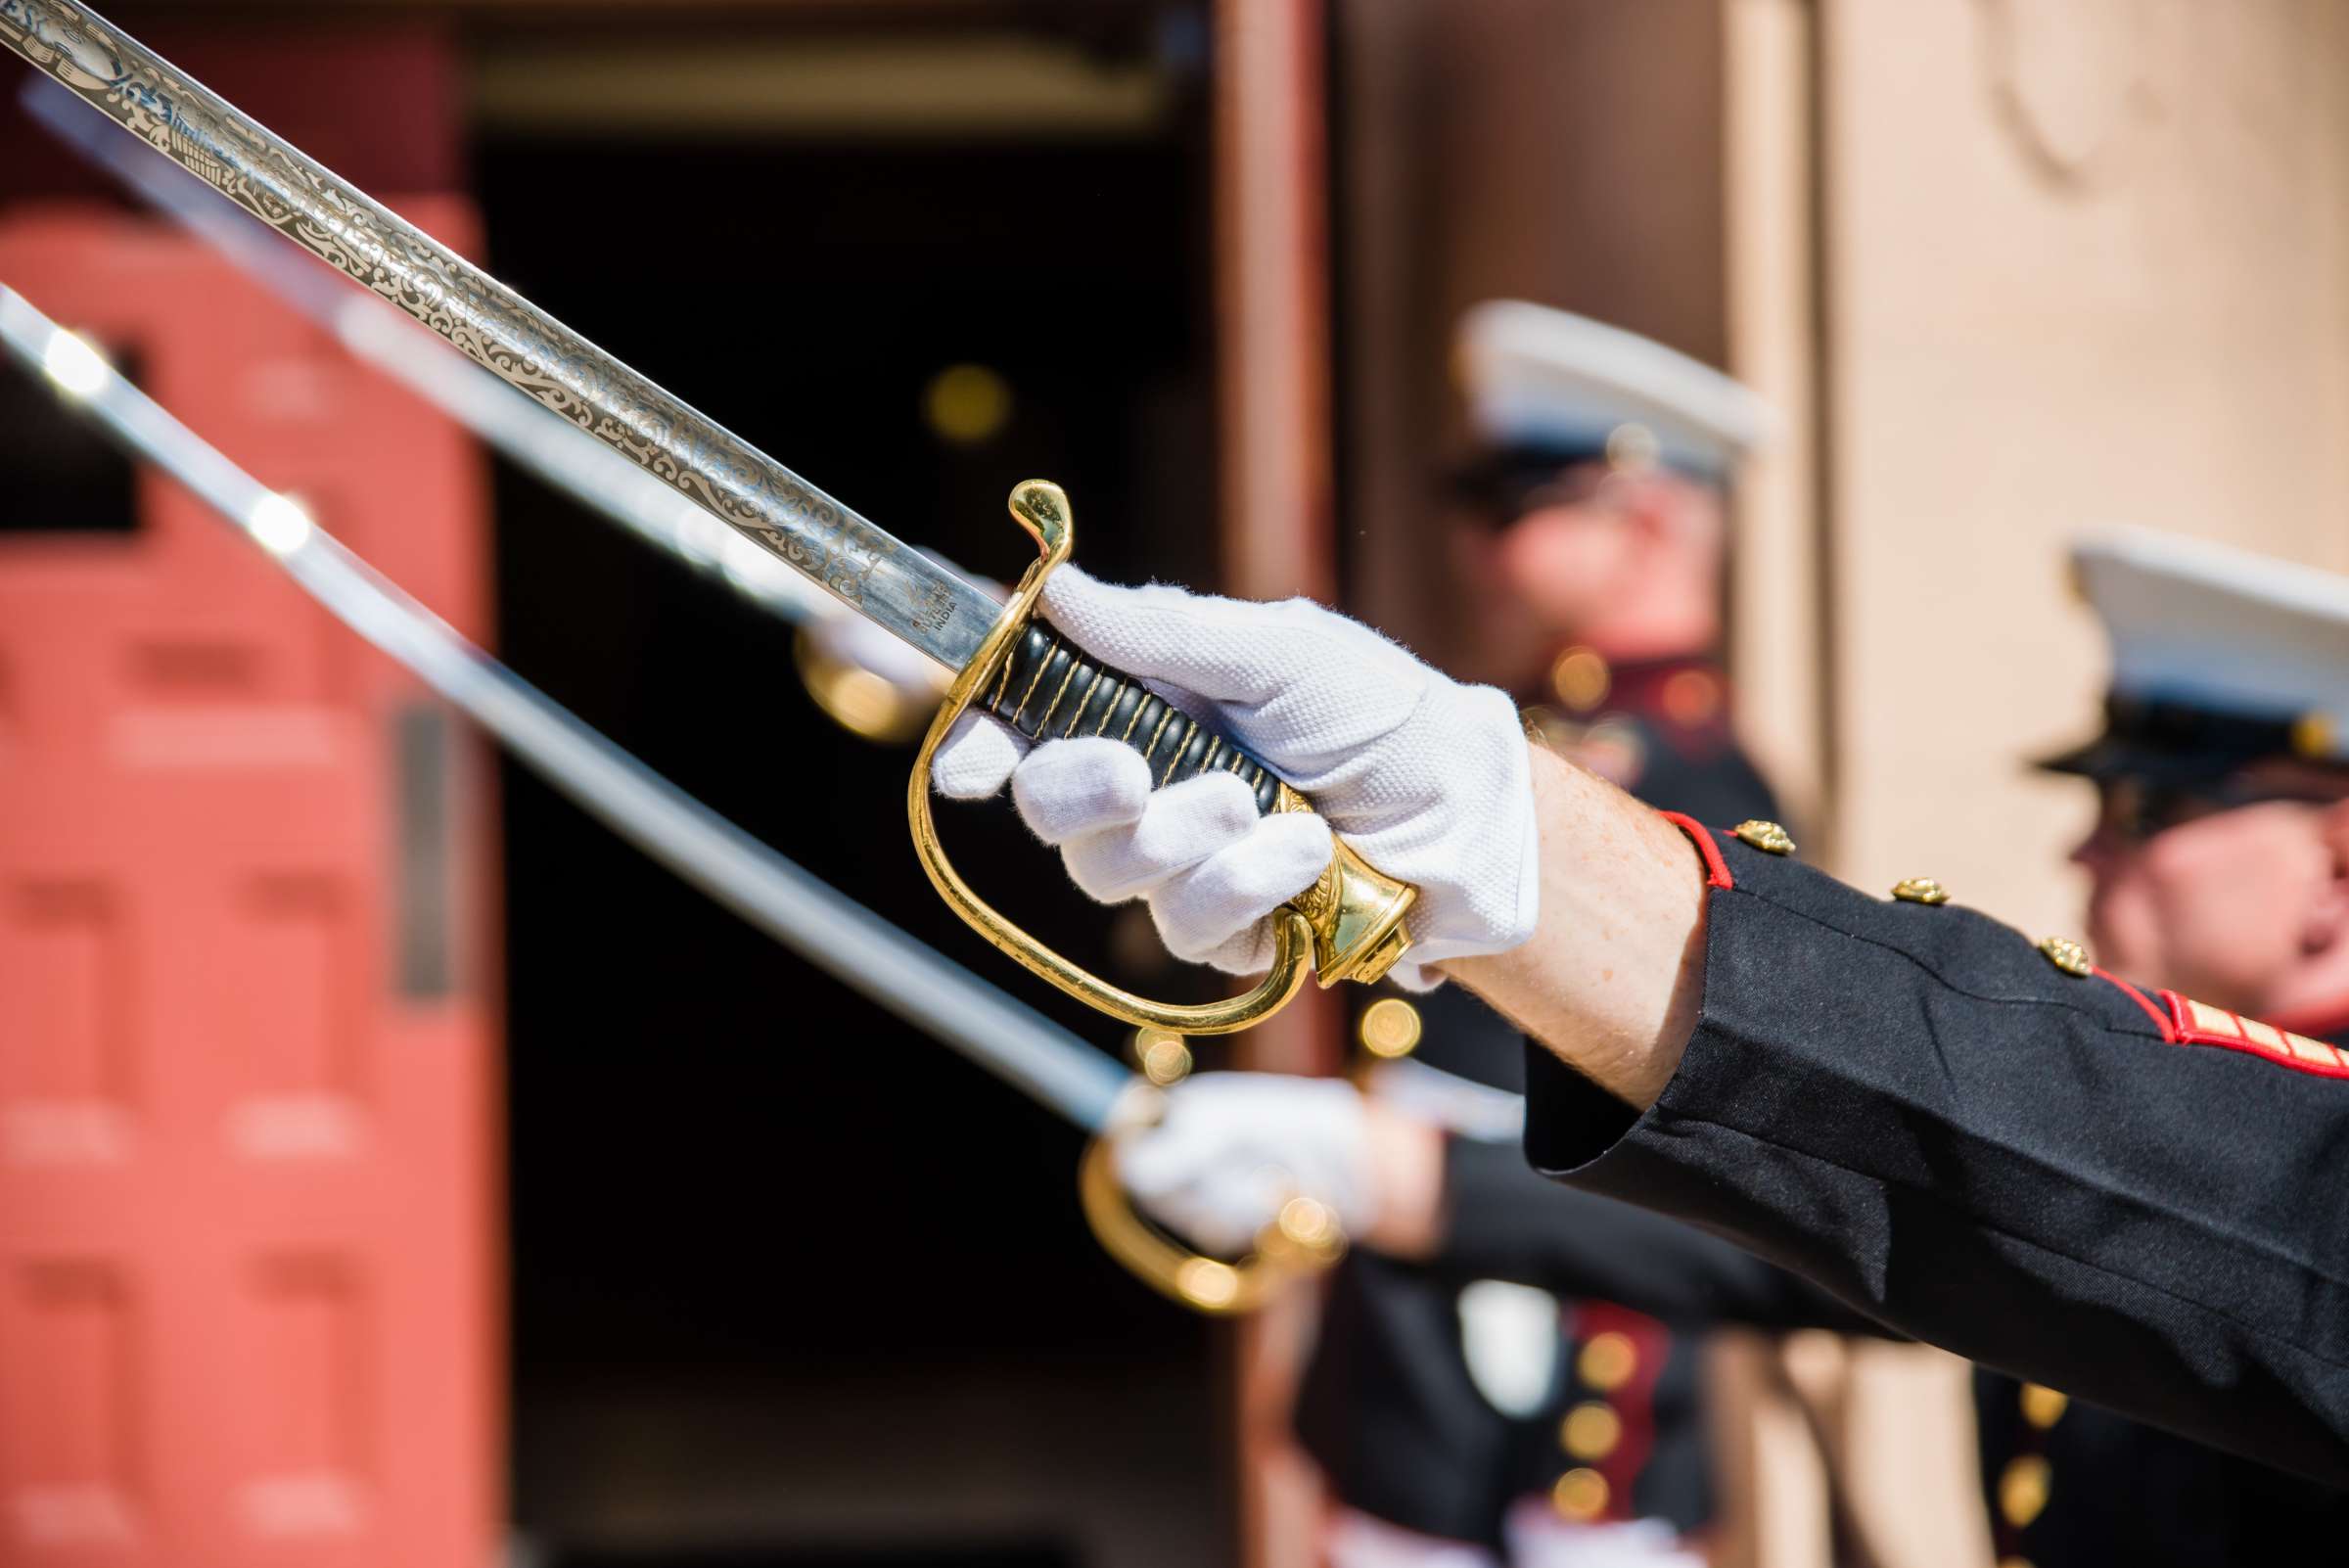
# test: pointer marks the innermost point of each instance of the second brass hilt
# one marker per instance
(1350, 921)
(1303, 1238)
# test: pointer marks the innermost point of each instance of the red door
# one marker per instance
(247, 989)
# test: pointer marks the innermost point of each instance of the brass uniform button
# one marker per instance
(2067, 955)
(1633, 447)
(2042, 1407)
(1920, 889)
(2023, 1488)
(1580, 1495)
(1607, 1361)
(1768, 836)
(1390, 1027)
(1581, 679)
(1590, 1431)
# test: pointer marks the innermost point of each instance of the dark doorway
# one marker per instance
(789, 1280)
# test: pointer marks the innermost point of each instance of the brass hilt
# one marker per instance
(1350, 922)
(1303, 1240)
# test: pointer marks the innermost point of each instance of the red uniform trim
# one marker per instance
(2161, 1020)
(2325, 1023)
(2200, 1024)
(1717, 870)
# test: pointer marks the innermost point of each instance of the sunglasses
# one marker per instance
(1504, 499)
(2135, 812)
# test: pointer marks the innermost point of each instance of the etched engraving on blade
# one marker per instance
(896, 587)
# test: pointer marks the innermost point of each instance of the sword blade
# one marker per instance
(897, 588)
(790, 903)
(549, 447)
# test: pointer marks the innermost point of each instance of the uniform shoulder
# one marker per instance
(1918, 918)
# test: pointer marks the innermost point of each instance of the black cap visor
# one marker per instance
(2178, 745)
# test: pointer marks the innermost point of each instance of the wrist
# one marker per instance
(1612, 980)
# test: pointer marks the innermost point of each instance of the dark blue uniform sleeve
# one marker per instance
(1504, 1221)
(1914, 1109)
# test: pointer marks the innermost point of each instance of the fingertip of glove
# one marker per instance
(1071, 787)
(976, 757)
(1074, 594)
(1297, 839)
(1212, 802)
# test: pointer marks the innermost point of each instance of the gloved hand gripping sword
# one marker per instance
(1278, 1233)
(1350, 923)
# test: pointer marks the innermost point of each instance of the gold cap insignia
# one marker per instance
(2313, 735)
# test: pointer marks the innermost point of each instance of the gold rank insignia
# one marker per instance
(1768, 836)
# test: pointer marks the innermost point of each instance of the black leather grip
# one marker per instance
(1048, 690)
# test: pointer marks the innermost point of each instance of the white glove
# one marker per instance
(1235, 1147)
(1426, 778)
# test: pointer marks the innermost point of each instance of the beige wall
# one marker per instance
(2082, 262)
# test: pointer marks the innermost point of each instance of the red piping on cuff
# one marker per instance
(2298, 1053)
(2161, 1020)
(1717, 870)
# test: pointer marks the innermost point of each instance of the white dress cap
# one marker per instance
(2222, 628)
(1551, 381)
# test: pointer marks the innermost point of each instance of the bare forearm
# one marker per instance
(1611, 981)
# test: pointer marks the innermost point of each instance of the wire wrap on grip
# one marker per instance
(1050, 690)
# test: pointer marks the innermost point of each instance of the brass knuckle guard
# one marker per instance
(1204, 1284)
(1351, 921)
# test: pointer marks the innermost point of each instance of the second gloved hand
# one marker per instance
(1235, 1147)
(1426, 778)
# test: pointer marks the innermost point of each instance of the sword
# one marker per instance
(875, 687)
(791, 904)
(1347, 926)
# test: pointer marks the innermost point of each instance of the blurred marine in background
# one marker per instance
(1456, 1396)
(2219, 864)
(1463, 1413)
